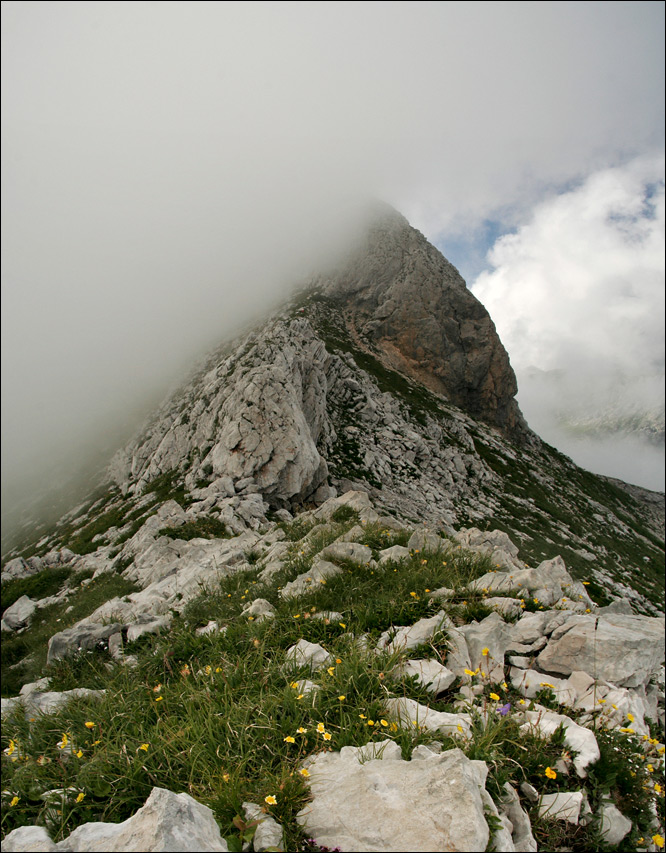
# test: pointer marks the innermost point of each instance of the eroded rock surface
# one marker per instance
(387, 804)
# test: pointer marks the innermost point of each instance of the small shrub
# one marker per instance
(40, 585)
(344, 513)
(202, 528)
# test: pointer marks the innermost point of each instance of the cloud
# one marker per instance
(169, 168)
(577, 295)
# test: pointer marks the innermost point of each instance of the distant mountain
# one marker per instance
(628, 407)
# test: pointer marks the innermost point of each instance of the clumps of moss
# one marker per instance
(203, 528)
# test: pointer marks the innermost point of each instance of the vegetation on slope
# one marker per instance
(218, 716)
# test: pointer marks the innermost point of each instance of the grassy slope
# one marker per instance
(210, 715)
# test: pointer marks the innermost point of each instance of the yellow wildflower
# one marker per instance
(159, 698)
(383, 723)
(294, 684)
(304, 772)
(342, 698)
(485, 651)
(342, 625)
(15, 801)
(326, 736)
(658, 840)
(289, 739)
(321, 727)
(225, 777)
(300, 695)
(63, 743)
(89, 724)
(271, 800)
(301, 730)
(80, 797)
(630, 717)
(331, 670)
(363, 717)
(79, 754)
(494, 697)
(469, 672)
(550, 773)
(371, 722)
(144, 747)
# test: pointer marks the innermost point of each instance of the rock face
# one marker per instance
(166, 822)
(625, 650)
(432, 802)
(401, 294)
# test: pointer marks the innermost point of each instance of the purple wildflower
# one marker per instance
(504, 710)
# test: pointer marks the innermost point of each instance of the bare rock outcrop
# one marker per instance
(403, 295)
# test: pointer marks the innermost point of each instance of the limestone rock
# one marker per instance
(529, 628)
(530, 682)
(307, 581)
(259, 609)
(625, 650)
(387, 804)
(36, 700)
(308, 654)
(211, 627)
(425, 540)
(353, 498)
(614, 825)
(492, 633)
(268, 834)
(503, 605)
(429, 674)
(28, 839)
(409, 713)
(393, 554)
(521, 834)
(565, 805)
(19, 568)
(166, 822)
(347, 551)
(79, 638)
(413, 635)
(148, 625)
(19, 614)
(457, 658)
(576, 737)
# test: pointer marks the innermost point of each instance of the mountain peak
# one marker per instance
(401, 296)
